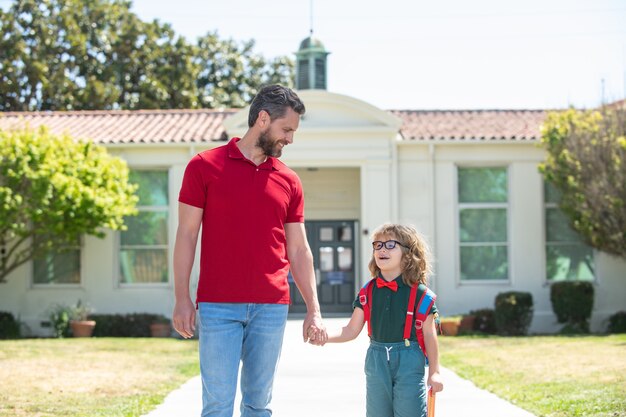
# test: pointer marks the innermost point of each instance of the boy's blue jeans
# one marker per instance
(394, 375)
(232, 333)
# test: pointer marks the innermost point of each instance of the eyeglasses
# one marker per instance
(388, 244)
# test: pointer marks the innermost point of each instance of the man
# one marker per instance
(250, 206)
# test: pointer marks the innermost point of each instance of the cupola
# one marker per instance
(311, 65)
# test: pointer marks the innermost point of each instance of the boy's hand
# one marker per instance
(317, 337)
(434, 381)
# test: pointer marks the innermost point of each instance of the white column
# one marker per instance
(376, 205)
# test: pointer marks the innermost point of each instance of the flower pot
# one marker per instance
(449, 328)
(160, 330)
(82, 328)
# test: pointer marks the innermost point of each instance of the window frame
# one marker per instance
(57, 285)
(117, 273)
(482, 205)
(555, 205)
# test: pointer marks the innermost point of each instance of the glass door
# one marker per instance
(334, 260)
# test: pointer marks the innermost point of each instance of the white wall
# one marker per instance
(423, 169)
(352, 167)
(331, 193)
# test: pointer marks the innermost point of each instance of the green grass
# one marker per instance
(91, 377)
(550, 376)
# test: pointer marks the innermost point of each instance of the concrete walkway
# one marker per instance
(329, 381)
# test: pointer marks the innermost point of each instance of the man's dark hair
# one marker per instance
(274, 99)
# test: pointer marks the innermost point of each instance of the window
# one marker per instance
(345, 258)
(58, 268)
(144, 245)
(327, 261)
(483, 213)
(567, 257)
(303, 74)
(320, 74)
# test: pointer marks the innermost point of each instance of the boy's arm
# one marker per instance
(432, 348)
(351, 330)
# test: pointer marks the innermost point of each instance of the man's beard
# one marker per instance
(270, 147)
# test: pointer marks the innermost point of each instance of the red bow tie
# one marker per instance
(393, 285)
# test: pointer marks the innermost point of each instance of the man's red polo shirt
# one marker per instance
(243, 247)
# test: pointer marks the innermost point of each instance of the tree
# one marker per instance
(54, 189)
(232, 73)
(151, 67)
(97, 54)
(91, 54)
(44, 47)
(586, 164)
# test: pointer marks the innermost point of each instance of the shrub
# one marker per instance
(161, 319)
(123, 325)
(513, 313)
(9, 327)
(59, 315)
(484, 321)
(617, 322)
(572, 302)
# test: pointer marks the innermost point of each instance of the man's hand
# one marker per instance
(313, 330)
(184, 318)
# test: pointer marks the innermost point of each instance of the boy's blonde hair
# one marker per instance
(416, 258)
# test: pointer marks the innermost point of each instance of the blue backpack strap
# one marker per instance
(424, 306)
(365, 298)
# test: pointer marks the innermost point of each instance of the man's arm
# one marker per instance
(189, 221)
(301, 261)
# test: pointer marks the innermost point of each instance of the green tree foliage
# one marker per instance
(54, 189)
(231, 73)
(586, 163)
(97, 54)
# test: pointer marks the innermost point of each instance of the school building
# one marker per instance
(468, 180)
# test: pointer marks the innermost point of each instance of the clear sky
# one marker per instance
(445, 54)
(435, 54)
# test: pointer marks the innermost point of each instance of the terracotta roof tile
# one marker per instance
(129, 127)
(197, 126)
(470, 125)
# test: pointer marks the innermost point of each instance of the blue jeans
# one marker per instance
(395, 385)
(232, 333)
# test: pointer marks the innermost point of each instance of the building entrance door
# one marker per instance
(334, 260)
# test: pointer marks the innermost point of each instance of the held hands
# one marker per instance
(314, 330)
(317, 337)
(434, 381)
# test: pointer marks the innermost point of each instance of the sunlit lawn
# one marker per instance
(91, 377)
(549, 376)
(555, 376)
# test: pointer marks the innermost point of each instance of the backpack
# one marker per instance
(420, 313)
